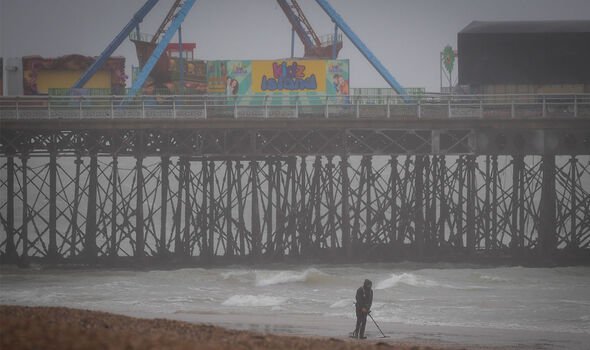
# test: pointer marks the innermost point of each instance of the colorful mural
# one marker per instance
(216, 77)
(337, 72)
(41, 74)
(276, 78)
(194, 77)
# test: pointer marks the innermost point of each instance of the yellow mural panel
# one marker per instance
(286, 76)
(47, 79)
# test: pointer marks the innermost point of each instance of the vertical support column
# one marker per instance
(368, 207)
(393, 184)
(471, 193)
(444, 206)
(11, 254)
(292, 231)
(331, 203)
(178, 251)
(25, 230)
(240, 208)
(75, 228)
(269, 229)
(180, 60)
(419, 205)
(188, 211)
(304, 217)
(279, 213)
(433, 232)
(548, 221)
(517, 167)
(316, 199)
(231, 243)
(356, 228)
(255, 219)
(521, 205)
(52, 252)
(406, 215)
(139, 219)
(459, 211)
(346, 242)
(164, 171)
(204, 214)
(335, 42)
(114, 186)
(494, 208)
(486, 210)
(574, 243)
(90, 251)
(212, 205)
(427, 202)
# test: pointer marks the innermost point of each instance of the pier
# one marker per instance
(214, 179)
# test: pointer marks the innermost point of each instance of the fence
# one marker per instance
(428, 106)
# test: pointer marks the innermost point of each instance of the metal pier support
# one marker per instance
(548, 220)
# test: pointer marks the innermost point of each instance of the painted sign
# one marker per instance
(289, 76)
(305, 78)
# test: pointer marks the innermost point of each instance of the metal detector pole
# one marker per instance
(379, 328)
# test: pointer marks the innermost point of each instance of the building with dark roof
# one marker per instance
(525, 57)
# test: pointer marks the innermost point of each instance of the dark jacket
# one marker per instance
(364, 298)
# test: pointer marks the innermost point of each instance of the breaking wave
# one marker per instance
(342, 303)
(269, 278)
(254, 300)
(405, 278)
(492, 278)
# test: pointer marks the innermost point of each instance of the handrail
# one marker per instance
(433, 106)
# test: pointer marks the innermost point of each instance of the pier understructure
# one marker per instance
(213, 181)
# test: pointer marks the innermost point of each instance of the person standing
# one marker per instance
(364, 300)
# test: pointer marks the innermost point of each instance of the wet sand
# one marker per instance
(63, 328)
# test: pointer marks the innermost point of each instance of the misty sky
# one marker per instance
(406, 36)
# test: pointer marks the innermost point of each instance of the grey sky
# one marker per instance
(406, 36)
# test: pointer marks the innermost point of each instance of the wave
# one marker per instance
(405, 278)
(269, 278)
(254, 300)
(236, 275)
(342, 303)
(491, 278)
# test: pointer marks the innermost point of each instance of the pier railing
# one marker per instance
(429, 106)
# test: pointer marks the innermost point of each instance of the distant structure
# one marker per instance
(37, 75)
(535, 57)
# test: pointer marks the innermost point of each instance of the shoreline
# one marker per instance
(24, 327)
(458, 256)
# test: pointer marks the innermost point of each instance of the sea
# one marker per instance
(512, 306)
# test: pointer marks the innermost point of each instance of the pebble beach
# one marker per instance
(64, 328)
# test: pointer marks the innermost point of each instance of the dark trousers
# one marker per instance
(361, 322)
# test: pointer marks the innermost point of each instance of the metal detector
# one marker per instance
(379, 328)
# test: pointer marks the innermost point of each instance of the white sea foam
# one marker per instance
(236, 275)
(269, 278)
(405, 278)
(254, 300)
(342, 303)
(491, 278)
